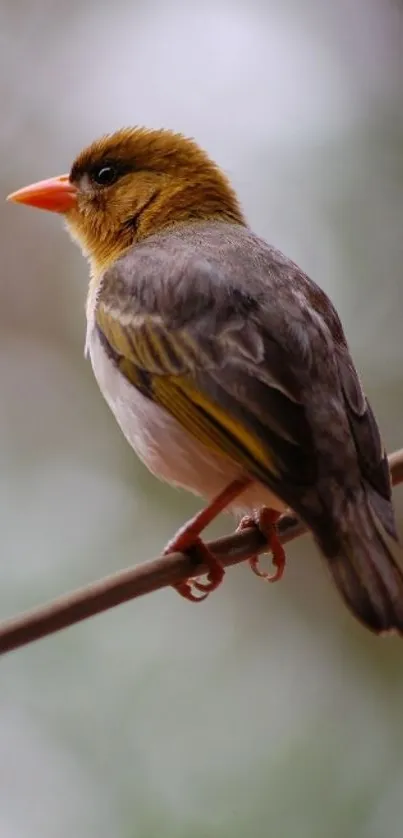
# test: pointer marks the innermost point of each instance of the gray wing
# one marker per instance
(219, 313)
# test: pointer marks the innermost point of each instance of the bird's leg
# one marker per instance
(265, 521)
(187, 540)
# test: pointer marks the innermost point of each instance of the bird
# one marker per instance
(225, 365)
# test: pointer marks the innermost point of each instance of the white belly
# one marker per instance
(164, 446)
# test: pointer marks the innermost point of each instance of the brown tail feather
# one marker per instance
(367, 571)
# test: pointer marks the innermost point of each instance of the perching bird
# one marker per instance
(226, 367)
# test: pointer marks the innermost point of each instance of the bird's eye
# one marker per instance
(105, 175)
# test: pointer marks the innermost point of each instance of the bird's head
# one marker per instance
(131, 184)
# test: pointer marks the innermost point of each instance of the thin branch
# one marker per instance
(146, 577)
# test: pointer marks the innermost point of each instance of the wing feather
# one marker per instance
(217, 393)
(371, 454)
(249, 355)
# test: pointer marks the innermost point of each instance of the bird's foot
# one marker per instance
(265, 521)
(186, 541)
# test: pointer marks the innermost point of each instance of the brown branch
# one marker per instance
(146, 577)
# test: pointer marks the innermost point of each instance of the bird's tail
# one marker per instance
(367, 570)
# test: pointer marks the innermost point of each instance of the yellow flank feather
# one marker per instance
(210, 425)
(234, 429)
(168, 354)
(161, 363)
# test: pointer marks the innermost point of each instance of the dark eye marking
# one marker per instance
(105, 175)
(107, 172)
(103, 172)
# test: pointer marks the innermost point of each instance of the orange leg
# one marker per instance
(187, 540)
(265, 521)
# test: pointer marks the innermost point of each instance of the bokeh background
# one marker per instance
(267, 711)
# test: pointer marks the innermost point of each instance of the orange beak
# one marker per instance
(56, 194)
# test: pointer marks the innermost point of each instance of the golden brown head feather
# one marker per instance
(155, 179)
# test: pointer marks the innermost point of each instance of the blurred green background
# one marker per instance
(267, 711)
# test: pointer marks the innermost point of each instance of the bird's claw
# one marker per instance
(265, 521)
(185, 589)
(187, 542)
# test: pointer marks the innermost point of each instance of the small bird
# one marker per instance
(225, 366)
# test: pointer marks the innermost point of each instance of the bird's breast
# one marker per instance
(157, 438)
